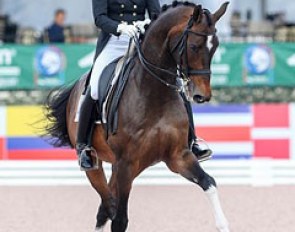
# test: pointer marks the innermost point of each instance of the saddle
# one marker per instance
(110, 89)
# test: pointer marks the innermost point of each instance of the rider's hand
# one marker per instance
(141, 25)
(126, 29)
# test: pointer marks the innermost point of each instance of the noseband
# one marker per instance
(183, 69)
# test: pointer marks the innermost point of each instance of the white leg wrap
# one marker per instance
(99, 229)
(220, 219)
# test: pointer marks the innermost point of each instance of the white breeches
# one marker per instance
(116, 47)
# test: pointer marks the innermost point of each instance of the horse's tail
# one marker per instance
(56, 114)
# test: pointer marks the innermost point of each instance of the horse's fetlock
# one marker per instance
(120, 224)
(206, 182)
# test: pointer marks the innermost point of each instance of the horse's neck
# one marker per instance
(154, 50)
(152, 88)
(146, 100)
(148, 89)
(147, 94)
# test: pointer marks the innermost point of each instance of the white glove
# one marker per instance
(141, 24)
(126, 29)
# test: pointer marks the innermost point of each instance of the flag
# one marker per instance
(247, 131)
(232, 131)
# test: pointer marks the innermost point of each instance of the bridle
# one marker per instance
(183, 69)
(183, 66)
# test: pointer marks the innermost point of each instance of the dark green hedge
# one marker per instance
(220, 95)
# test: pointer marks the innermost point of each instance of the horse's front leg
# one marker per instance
(102, 215)
(125, 175)
(98, 181)
(188, 166)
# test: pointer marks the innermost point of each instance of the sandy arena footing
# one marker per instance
(152, 209)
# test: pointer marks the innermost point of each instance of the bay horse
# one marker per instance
(153, 123)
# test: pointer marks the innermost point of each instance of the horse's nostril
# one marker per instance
(199, 99)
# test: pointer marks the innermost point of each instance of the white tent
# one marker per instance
(39, 13)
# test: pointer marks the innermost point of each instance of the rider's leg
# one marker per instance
(201, 154)
(115, 48)
(85, 128)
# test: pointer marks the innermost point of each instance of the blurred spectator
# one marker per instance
(8, 29)
(237, 26)
(278, 19)
(55, 32)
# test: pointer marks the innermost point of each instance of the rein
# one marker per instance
(182, 73)
(147, 66)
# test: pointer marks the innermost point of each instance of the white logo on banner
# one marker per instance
(86, 61)
(6, 56)
(291, 61)
(7, 69)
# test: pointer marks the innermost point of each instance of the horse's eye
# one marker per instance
(194, 47)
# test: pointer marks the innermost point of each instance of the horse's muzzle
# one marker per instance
(201, 99)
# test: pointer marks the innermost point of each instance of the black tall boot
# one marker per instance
(84, 134)
(201, 154)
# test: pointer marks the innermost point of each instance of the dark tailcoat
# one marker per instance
(108, 14)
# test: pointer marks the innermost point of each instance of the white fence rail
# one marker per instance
(242, 172)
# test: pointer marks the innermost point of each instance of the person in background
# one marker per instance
(55, 32)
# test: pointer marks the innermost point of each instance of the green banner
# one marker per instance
(43, 66)
(254, 64)
(48, 66)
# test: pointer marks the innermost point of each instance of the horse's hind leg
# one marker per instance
(188, 166)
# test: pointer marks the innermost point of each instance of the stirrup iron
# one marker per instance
(93, 155)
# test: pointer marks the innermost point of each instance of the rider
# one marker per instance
(119, 20)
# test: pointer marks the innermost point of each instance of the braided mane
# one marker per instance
(176, 3)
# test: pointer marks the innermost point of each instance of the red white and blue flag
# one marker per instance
(247, 131)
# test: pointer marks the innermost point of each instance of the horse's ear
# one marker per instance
(197, 13)
(220, 12)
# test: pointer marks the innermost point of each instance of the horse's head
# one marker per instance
(192, 43)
